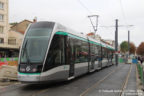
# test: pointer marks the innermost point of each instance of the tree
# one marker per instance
(124, 46)
(132, 48)
(140, 49)
(13, 23)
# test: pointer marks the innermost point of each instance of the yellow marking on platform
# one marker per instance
(125, 83)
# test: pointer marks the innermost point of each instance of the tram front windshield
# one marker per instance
(35, 43)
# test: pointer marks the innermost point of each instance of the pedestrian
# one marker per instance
(141, 59)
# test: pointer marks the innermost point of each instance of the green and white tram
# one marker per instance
(52, 52)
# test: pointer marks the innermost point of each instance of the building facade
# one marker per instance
(6, 49)
(4, 27)
(97, 37)
(16, 32)
(3, 21)
(92, 35)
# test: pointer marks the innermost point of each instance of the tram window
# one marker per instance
(104, 54)
(56, 52)
(111, 54)
(92, 49)
(79, 50)
(76, 49)
(95, 52)
(84, 51)
(96, 49)
(72, 48)
(108, 53)
(99, 50)
(39, 32)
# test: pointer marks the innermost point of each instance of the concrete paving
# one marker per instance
(112, 86)
(79, 85)
(131, 88)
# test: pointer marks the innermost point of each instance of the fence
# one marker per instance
(9, 61)
(8, 68)
(141, 73)
(123, 60)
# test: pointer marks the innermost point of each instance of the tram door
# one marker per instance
(92, 55)
(72, 57)
(101, 57)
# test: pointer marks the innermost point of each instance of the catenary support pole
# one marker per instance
(128, 43)
(116, 42)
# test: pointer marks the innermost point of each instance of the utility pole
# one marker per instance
(128, 43)
(116, 42)
(96, 22)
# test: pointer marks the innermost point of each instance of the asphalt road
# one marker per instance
(99, 83)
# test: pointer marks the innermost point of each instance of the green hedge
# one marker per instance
(140, 71)
(8, 59)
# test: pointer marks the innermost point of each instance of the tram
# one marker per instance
(53, 52)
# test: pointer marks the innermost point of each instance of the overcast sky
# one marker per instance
(73, 14)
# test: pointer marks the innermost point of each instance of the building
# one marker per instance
(97, 37)
(108, 41)
(92, 35)
(11, 36)
(4, 26)
(21, 26)
(16, 32)
(16, 35)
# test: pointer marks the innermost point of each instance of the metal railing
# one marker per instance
(141, 73)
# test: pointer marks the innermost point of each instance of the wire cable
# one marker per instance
(83, 5)
(123, 13)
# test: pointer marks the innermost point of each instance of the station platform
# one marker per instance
(122, 82)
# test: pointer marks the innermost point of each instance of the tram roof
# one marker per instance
(72, 32)
(67, 31)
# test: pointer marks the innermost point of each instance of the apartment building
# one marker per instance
(3, 21)
(3, 27)
(6, 49)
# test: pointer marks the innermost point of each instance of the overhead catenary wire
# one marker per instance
(87, 9)
(123, 13)
(84, 6)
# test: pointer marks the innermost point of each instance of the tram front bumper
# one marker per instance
(28, 78)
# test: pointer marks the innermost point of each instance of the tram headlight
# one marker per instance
(30, 68)
(34, 70)
(22, 69)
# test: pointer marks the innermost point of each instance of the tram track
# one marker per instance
(97, 83)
